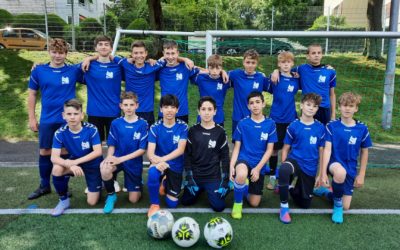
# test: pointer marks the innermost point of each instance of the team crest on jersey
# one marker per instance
(212, 144)
(313, 140)
(219, 86)
(264, 136)
(175, 139)
(179, 76)
(85, 145)
(290, 88)
(65, 80)
(352, 140)
(109, 75)
(136, 136)
(322, 79)
(256, 85)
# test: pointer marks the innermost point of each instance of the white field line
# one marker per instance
(202, 210)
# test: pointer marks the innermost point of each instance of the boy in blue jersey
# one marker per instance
(254, 141)
(303, 148)
(283, 108)
(127, 143)
(56, 83)
(82, 141)
(206, 159)
(212, 84)
(167, 141)
(244, 81)
(345, 139)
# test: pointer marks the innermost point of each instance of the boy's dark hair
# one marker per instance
(349, 98)
(313, 45)
(58, 45)
(252, 54)
(312, 97)
(169, 100)
(170, 44)
(102, 38)
(129, 96)
(255, 94)
(214, 61)
(206, 99)
(138, 44)
(75, 103)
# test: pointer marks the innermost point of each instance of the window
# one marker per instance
(82, 2)
(28, 34)
(10, 33)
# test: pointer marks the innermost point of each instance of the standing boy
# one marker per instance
(206, 159)
(301, 153)
(167, 141)
(56, 82)
(127, 143)
(254, 141)
(345, 139)
(83, 144)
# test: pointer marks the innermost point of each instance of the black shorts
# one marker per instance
(323, 115)
(257, 187)
(103, 125)
(173, 183)
(281, 132)
(303, 190)
(148, 116)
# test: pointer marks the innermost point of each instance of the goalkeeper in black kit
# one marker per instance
(206, 159)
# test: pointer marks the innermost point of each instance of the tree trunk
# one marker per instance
(156, 23)
(374, 16)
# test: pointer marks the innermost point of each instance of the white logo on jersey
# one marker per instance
(136, 136)
(256, 85)
(219, 86)
(85, 145)
(211, 143)
(352, 140)
(322, 79)
(175, 139)
(290, 88)
(179, 76)
(264, 136)
(313, 140)
(109, 75)
(65, 80)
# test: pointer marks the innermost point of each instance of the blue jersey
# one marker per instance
(167, 139)
(346, 143)
(103, 82)
(127, 137)
(141, 81)
(305, 141)
(175, 81)
(56, 85)
(254, 138)
(283, 108)
(78, 144)
(317, 80)
(243, 84)
(214, 88)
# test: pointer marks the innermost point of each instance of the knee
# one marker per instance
(339, 175)
(254, 203)
(134, 198)
(92, 202)
(241, 174)
(57, 170)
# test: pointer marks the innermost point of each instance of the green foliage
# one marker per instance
(321, 22)
(55, 23)
(90, 25)
(6, 18)
(111, 23)
(138, 24)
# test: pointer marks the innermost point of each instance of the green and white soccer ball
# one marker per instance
(185, 232)
(159, 225)
(218, 232)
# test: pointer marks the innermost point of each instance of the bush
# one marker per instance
(6, 18)
(111, 23)
(55, 23)
(138, 24)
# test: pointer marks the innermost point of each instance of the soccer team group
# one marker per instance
(186, 161)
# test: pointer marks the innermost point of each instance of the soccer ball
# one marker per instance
(159, 225)
(185, 232)
(218, 232)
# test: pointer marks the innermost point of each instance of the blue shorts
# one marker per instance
(323, 115)
(148, 116)
(132, 181)
(46, 134)
(93, 178)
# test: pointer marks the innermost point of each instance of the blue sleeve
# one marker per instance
(237, 135)
(266, 83)
(95, 137)
(33, 80)
(143, 139)
(152, 134)
(270, 88)
(272, 138)
(231, 75)
(184, 133)
(195, 80)
(79, 72)
(332, 82)
(322, 138)
(290, 134)
(366, 141)
(328, 133)
(112, 139)
(57, 140)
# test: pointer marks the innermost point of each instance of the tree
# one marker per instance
(373, 46)
(156, 22)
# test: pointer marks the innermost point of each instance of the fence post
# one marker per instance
(73, 25)
(46, 24)
(104, 18)
(272, 28)
(327, 29)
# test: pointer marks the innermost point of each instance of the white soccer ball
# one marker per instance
(185, 232)
(159, 225)
(218, 232)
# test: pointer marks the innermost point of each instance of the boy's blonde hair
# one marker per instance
(252, 54)
(285, 56)
(349, 98)
(214, 61)
(129, 96)
(58, 45)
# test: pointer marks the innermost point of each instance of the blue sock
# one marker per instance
(239, 190)
(338, 190)
(153, 184)
(45, 167)
(170, 203)
(61, 185)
